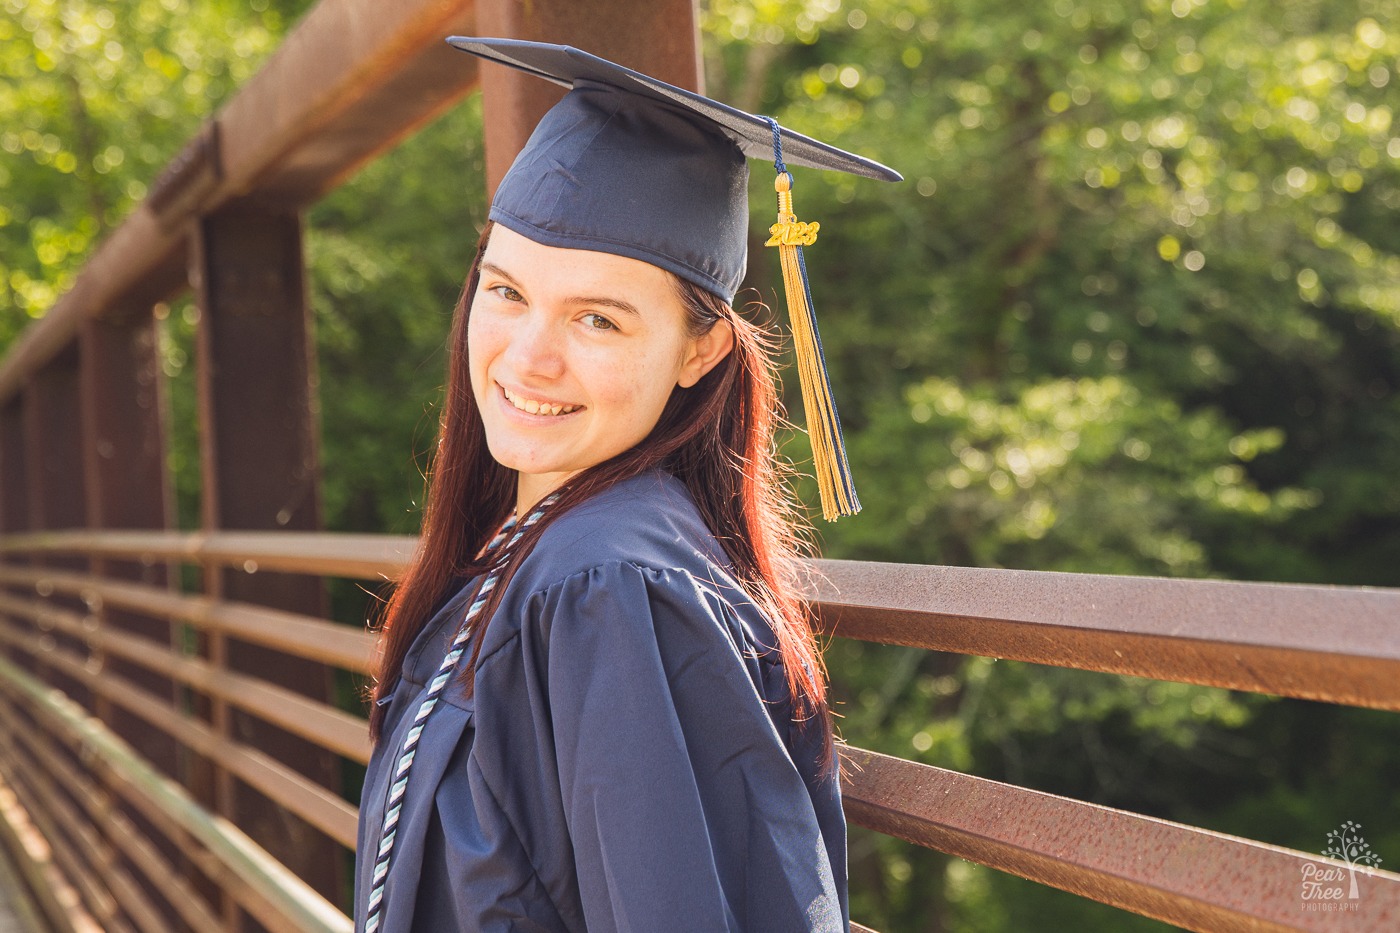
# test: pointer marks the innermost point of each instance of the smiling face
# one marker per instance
(573, 355)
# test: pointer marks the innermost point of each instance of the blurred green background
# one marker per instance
(1136, 309)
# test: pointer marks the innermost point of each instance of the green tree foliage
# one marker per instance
(1188, 197)
(388, 256)
(1134, 311)
(97, 98)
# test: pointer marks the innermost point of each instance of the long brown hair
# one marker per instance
(716, 437)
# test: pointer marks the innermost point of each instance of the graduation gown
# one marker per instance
(628, 760)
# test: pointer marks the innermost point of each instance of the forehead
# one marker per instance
(577, 272)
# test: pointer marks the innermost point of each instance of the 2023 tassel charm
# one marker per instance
(789, 235)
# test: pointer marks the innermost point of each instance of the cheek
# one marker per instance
(640, 384)
(482, 345)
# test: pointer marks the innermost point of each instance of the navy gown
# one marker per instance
(628, 761)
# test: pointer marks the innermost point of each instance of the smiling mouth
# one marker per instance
(535, 407)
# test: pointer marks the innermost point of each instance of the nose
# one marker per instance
(536, 347)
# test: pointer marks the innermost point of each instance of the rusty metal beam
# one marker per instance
(125, 479)
(272, 894)
(14, 483)
(659, 38)
(53, 446)
(123, 424)
(354, 78)
(1340, 644)
(54, 470)
(358, 556)
(285, 632)
(331, 728)
(256, 376)
(259, 459)
(1191, 877)
(124, 467)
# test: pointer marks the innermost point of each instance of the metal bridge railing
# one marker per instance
(172, 760)
(120, 830)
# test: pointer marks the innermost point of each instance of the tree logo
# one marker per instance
(1323, 885)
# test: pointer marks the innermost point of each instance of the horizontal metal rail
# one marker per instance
(325, 725)
(356, 556)
(1258, 637)
(277, 898)
(1338, 644)
(308, 800)
(24, 874)
(1192, 877)
(299, 635)
(96, 804)
(54, 893)
(83, 851)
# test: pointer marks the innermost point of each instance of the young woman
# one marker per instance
(600, 706)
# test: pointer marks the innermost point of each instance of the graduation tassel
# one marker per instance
(789, 235)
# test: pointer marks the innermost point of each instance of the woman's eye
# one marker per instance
(506, 292)
(598, 322)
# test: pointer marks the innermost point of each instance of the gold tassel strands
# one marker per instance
(789, 235)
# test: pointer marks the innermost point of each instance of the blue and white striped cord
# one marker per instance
(439, 682)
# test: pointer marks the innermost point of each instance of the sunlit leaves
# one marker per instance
(96, 98)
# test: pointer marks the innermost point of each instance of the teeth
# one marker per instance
(538, 408)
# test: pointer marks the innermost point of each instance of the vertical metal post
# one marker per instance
(54, 469)
(124, 465)
(659, 38)
(14, 482)
(123, 436)
(259, 457)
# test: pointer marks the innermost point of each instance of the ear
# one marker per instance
(705, 352)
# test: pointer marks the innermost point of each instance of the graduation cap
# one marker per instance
(630, 165)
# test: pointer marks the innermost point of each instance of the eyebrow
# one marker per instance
(616, 304)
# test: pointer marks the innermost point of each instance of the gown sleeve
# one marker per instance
(683, 807)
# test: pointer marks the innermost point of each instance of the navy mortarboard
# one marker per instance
(630, 165)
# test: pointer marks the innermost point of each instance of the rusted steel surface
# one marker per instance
(298, 635)
(101, 870)
(14, 485)
(54, 470)
(280, 784)
(1340, 644)
(1195, 878)
(257, 401)
(53, 446)
(351, 80)
(277, 898)
(260, 471)
(123, 427)
(357, 556)
(658, 38)
(332, 729)
(156, 869)
(123, 457)
(190, 178)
